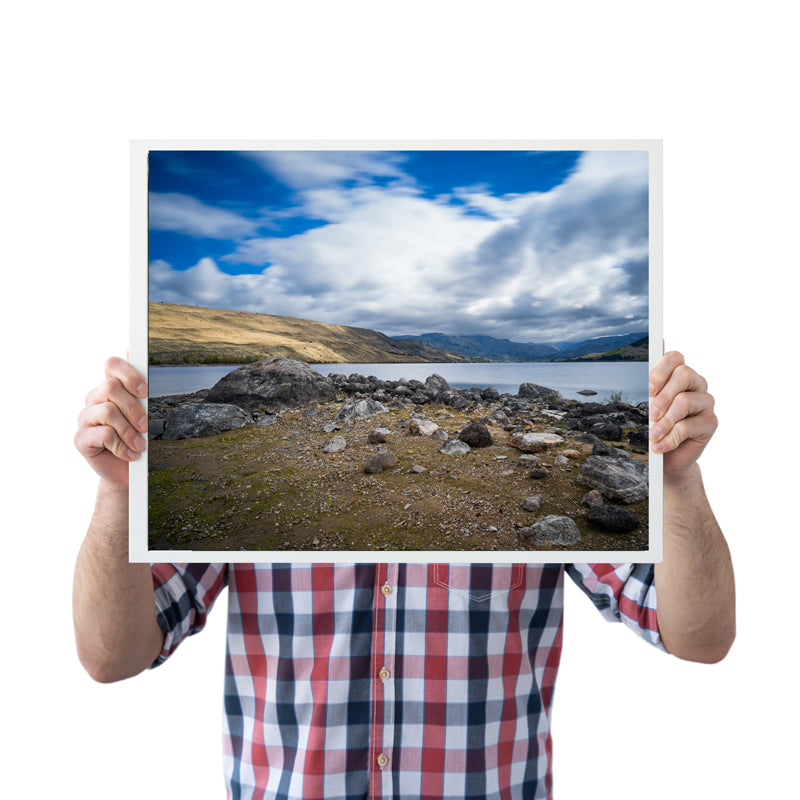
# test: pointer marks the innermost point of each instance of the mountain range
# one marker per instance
(487, 348)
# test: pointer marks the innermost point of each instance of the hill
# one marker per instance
(194, 335)
(635, 351)
(483, 348)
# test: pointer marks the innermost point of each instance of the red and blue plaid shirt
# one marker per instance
(399, 681)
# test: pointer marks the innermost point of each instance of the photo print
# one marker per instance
(396, 351)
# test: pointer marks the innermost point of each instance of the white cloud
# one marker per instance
(182, 213)
(302, 169)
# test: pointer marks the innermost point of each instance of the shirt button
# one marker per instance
(384, 674)
(382, 760)
(386, 589)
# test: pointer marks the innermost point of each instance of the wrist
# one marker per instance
(684, 480)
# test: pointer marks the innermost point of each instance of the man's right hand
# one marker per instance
(111, 426)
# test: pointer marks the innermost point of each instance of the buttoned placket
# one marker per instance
(383, 682)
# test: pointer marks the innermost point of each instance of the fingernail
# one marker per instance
(131, 455)
(658, 446)
(142, 424)
(141, 390)
(654, 412)
(139, 443)
(655, 432)
(651, 389)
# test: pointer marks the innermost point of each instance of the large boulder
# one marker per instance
(620, 480)
(192, 420)
(532, 391)
(436, 385)
(278, 383)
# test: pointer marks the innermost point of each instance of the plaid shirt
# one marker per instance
(392, 681)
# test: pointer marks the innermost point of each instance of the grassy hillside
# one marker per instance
(194, 335)
(635, 351)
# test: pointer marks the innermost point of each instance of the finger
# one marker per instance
(660, 374)
(130, 378)
(682, 379)
(108, 415)
(112, 391)
(93, 441)
(686, 404)
(697, 429)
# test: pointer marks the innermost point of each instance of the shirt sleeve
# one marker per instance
(622, 593)
(184, 595)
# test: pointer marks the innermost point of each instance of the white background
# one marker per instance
(714, 80)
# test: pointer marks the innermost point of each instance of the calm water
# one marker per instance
(630, 378)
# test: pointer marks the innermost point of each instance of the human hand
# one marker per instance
(681, 415)
(110, 427)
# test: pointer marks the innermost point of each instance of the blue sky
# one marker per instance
(530, 246)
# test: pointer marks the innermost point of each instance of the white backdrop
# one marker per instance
(711, 79)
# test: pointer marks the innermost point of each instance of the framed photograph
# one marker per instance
(396, 351)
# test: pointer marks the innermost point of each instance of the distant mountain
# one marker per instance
(635, 351)
(485, 348)
(194, 335)
(491, 349)
(603, 345)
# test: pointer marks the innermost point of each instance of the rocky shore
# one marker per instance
(277, 457)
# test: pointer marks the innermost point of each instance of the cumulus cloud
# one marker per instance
(570, 263)
(180, 213)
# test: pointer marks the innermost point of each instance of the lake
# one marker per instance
(605, 378)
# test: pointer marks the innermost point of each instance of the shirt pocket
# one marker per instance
(479, 583)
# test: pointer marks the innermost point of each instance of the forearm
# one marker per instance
(113, 603)
(694, 584)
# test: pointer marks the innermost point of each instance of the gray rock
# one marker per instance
(533, 391)
(203, 419)
(440, 435)
(620, 480)
(435, 385)
(640, 438)
(268, 419)
(560, 461)
(379, 462)
(552, 530)
(535, 442)
(592, 498)
(476, 434)
(604, 449)
(334, 445)
(360, 410)
(379, 436)
(533, 503)
(422, 427)
(155, 428)
(587, 392)
(613, 518)
(537, 473)
(454, 447)
(277, 383)
(609, 431)
(417, 469)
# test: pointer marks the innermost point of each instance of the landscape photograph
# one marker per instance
(406, 351)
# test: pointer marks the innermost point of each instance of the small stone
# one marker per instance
(533, 503)
(535, 442)
(476, 434)
(379, 462)
(571, 454)
(537, 473)
(593, 498)
(334, 445)
(418, 469)
(268, 419)
(454, 447)
(560, 461)
(552, 530)
(439, 471)
(529, 458)
(587, 392)
(422, 427)
(379, 436)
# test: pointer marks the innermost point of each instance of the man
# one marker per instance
(392, 680)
